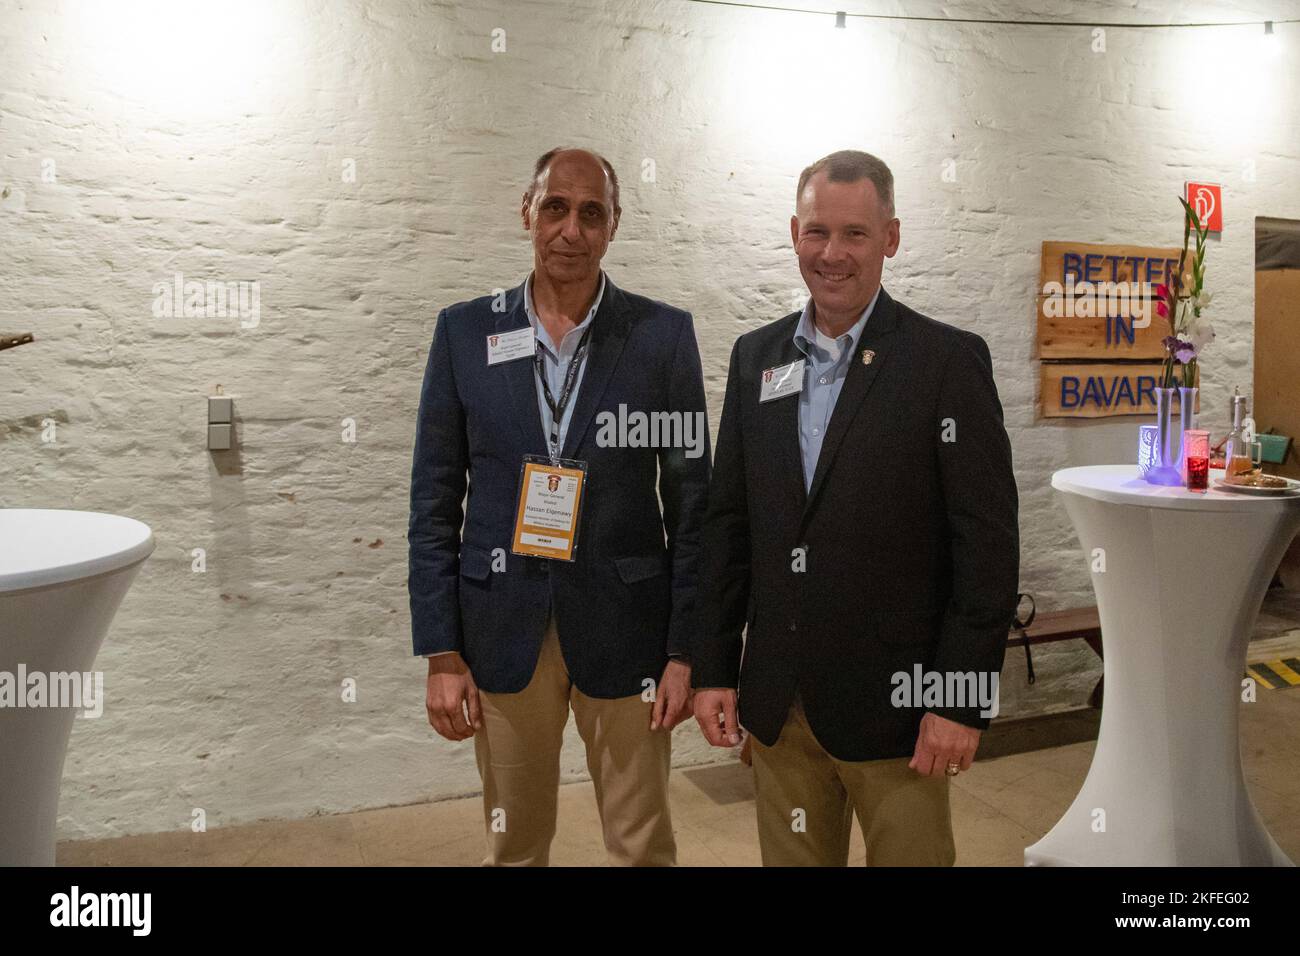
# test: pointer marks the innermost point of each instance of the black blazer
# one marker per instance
(911, 543)
(627, 601)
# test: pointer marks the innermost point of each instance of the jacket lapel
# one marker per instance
(781, 416)
(520, 378)
(876, 336)
(609, 332)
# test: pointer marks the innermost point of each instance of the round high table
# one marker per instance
(62, 576)
(1179, 577)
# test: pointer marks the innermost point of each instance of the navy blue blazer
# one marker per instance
(627, 601)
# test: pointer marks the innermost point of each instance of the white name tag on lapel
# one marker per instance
(508, 346)
(781, 381)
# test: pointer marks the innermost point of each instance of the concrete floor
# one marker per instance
(1004, 803)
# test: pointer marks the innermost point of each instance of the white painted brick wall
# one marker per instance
(223, 687)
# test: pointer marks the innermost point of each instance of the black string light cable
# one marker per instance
(841, 15)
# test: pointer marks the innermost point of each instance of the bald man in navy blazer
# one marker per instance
(515, 642)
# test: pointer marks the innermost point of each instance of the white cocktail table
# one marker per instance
(1185, 574)
(62, 576)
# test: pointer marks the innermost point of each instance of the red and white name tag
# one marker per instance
(508, 346)
(781, 381)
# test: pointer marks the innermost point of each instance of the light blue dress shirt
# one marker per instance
(825, 367)
(556, 360)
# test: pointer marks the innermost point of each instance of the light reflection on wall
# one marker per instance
(801, 87)
(186, 59)
(1236, 81)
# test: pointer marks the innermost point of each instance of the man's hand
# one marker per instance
(672, 696)
(450, 693)
(715, 710)
(940, 742)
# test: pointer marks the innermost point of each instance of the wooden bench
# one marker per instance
(1048, 627)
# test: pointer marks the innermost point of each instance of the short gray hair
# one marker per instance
(544, 160)
(849, 166)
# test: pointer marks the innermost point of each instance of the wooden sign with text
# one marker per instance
(1076, 262)
(1121, 332)
(1096, 310)
(1101, 389)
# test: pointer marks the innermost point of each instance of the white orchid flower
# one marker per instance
(1199, 332)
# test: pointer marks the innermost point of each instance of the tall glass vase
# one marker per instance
(1187, 406)
(1187, 413)
(1166, 469)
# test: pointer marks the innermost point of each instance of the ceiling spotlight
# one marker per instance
(841, 16)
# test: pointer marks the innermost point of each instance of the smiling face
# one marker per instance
(841, 234)
(571, 217)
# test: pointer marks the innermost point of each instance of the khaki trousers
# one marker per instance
(806, 800)
(518, 752)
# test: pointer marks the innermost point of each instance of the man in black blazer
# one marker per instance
(522, 623)
(862, 528)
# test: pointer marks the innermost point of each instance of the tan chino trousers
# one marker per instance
(518, 753)
(806, 800)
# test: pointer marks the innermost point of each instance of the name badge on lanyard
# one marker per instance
(551, 490)
(550, 504)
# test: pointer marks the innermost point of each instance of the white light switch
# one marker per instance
(219, 437)
(221, 410)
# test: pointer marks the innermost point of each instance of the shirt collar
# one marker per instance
(805, 332)
(540, 330)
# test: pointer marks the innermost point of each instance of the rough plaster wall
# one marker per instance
(224, 687)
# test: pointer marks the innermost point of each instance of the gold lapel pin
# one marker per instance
(867, 356)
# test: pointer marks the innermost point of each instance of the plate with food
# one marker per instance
(1255, 482)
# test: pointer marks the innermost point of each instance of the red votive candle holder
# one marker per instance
(1196, 448)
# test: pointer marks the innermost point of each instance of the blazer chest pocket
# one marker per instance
(641, 567)
(885, 447)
